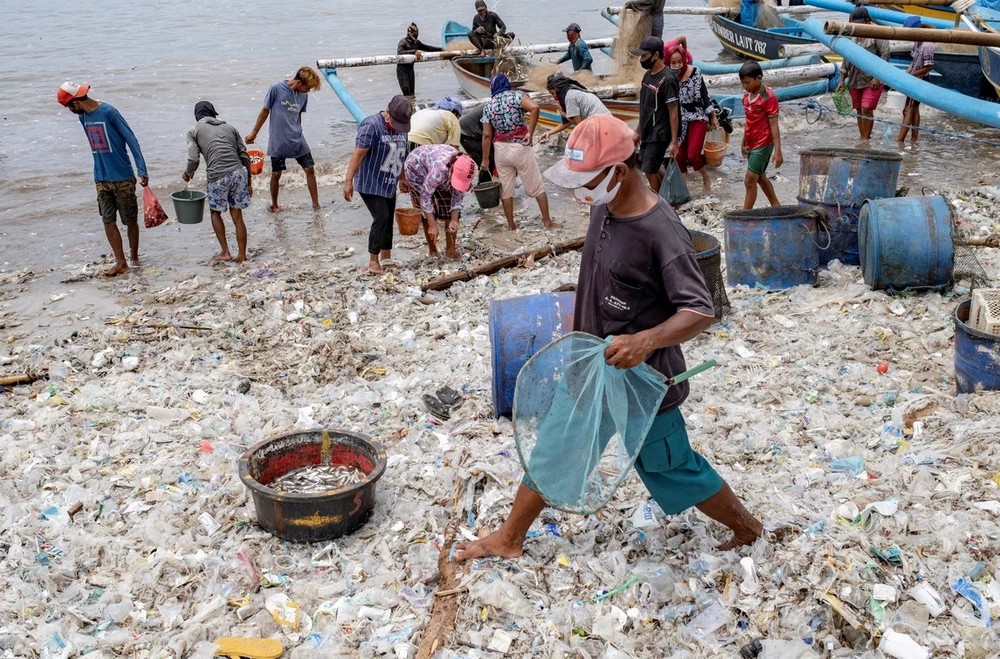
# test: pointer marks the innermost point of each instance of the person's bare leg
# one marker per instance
(750, 184)
(655, 180)
(725, 508)
(508, 540)
(915, 123)
(451, 244)
(866, 124)
(706, 181)
(543, 208)
(311, 184)
(115, 240)
(907, 116)
(432, 249)
(133, 243)
(241, 234)
(220, 234)
(275, 181)
(508, 211)
(768, 188)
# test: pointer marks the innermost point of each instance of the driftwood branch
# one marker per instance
(441, 283)
(20, 378)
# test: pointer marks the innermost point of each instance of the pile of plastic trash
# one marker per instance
(126, 531)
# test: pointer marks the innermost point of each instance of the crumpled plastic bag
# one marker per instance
(154, 213)
(673, 188)
(842, 101)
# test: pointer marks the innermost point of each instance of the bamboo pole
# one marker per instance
(442, 283)
(922, 3)
(796, 49)
(710, 11)
(20, 378)
(966, 37)
(378, 60)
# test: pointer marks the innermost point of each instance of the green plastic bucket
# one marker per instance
(189, 205)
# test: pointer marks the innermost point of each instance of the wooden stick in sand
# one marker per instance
(441, 283)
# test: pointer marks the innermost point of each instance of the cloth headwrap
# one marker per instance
(450, 104)
(204, 109)
(413, 29)
(669, 52)
(499, 84)
(562, 84)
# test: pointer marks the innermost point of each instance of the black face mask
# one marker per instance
(646, 63)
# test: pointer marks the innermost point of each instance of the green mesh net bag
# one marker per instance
(579, 423)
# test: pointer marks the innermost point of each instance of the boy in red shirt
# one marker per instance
(761, 139)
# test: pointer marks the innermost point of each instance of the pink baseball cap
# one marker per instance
(462, 173)
(594, 145)
(70, 90)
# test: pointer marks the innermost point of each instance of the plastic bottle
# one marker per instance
(902, 646)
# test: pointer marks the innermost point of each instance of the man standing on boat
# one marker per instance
(654, 9)
(411, 45)
(659, 115)
(486, 27)
(578, 52)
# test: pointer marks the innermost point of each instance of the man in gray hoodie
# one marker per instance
(228, 168)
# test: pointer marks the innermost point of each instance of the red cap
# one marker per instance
(70, 90)
(594, 145)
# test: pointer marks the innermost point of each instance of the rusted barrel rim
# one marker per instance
(257, 486)
(854, 154)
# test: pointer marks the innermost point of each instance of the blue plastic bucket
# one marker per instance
(520, 327)
(977, 356)
(906, 242)
(842, 224)
(847, 176)
(773, 247)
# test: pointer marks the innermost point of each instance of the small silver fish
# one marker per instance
(318, 478)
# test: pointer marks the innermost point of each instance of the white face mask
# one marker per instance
(600, 195)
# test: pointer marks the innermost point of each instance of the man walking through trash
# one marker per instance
(287, 100)
(659, 111)
(578, 52)
(109, 134)
(374, 169)
(651, 300)
(486, 27)
(411, 45)
(227, 168)
(438, 176)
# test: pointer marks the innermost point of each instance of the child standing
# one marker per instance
(921, 64)
(761, 139)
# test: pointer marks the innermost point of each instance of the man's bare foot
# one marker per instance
(706, 188)
(492, 545)
(135, 261)
(453, 254)
(223, 256)
(551, 225)
(317, 207)
(274, 208)
(117, 269)
(512, 226)
(434, 254)
(375, 269)
(240, 259)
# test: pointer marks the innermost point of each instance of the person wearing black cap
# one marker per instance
(411, 45)
(659, 116)
(577, 52)
(374, 169)
(654, 9)
(486, 27)
(227, 168)
(865, 90)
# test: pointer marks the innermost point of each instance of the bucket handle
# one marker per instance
(829, 237)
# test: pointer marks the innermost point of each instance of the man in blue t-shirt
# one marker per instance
(109, 134)
(285, 102)
(374, 170)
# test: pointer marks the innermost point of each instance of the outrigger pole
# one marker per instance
(709, 11)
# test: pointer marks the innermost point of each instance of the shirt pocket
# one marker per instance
(623, 301)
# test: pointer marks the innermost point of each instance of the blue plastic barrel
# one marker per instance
(847, 176)
(842, 224)
(906, 242)
(773, 247)
(520, 327)
(977, 355)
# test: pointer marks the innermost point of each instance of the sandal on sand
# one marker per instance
(251, 648)
(449, 396)
(436, 407)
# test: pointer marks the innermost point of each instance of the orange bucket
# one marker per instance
(408, 220)
(256, 160)
(714, 152)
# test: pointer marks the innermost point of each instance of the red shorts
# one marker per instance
(866, 98)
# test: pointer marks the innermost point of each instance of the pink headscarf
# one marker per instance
(672, 47)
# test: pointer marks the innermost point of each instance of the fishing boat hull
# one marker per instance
(989, 62)
(754, 43)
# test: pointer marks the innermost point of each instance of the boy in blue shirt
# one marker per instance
(109, 134)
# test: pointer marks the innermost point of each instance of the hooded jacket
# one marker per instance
(220, 144)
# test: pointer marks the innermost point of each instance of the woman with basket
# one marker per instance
(696, 112)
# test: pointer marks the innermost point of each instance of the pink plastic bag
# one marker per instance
(155, 215)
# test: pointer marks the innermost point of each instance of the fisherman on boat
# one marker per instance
(576, 103)
(486, 28)
(578, 52)
(411, 45)
(652, 8)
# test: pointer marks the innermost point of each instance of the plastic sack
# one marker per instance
(579, 423)
(673, 188)
(154, 213)
(842, 101)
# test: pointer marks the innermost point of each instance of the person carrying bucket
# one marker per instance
(374, 170)
(650, 301)
(695, 112)
(438, 176)
(227, 167)
(109, 134)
